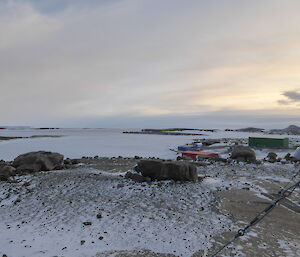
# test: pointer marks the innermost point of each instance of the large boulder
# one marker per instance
(6, 172)
(243, 153)
(158, 170)
(38, 161)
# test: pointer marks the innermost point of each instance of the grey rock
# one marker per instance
(158, 170)
(6, 172)
(38, 161)
(243, 153)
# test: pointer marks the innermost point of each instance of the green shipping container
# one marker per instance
(268, 142)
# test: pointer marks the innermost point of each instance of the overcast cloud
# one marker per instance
(292, 95)
(133, 63)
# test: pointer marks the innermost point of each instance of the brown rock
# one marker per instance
(158, 170)
(243, 153)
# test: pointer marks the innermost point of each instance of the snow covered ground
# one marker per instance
(44, 214)
(46, 217)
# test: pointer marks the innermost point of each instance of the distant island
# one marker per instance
(290, 130)
(172, 131)
(15, 127)
(3, 138)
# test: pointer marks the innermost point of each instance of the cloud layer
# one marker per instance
(90, 62)
(292, 97)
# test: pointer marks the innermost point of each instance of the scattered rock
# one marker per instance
(243, 153)
(158, 170)
(38, 161)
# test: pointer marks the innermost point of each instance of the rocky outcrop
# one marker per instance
(6, 172)
(158, 170)
(38, 161)
(243, 153)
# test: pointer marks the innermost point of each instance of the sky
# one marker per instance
(150, 63)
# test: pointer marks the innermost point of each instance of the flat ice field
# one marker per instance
(75, 143)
